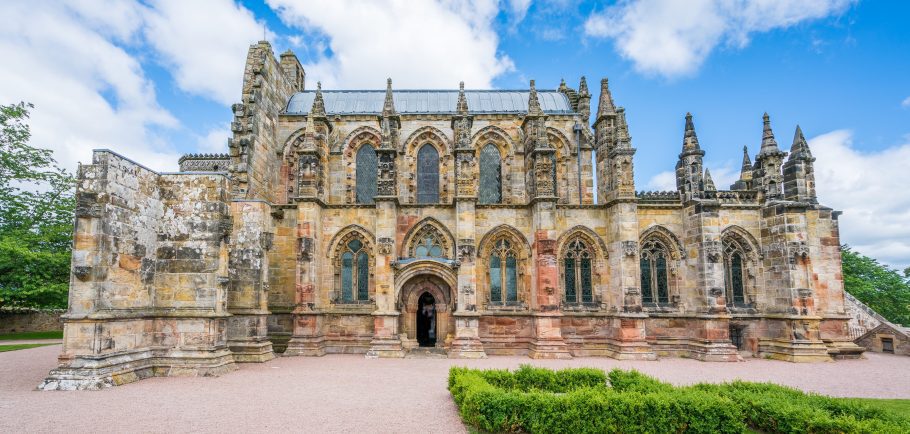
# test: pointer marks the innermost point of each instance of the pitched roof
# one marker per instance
(350, 102)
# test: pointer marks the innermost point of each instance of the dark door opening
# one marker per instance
(736, 337)
(426, 320)
(887, 345)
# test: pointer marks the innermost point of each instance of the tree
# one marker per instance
(878, 286)
(36, 217)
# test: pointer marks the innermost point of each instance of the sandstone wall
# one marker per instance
(29, 320)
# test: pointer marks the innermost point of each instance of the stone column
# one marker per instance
(308, 337)
(548, 342)
(467, 320)
(248, 284)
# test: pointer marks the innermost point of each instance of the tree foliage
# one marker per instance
(878, 286)
(36, 217)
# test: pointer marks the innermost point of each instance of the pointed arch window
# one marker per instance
(503, 272)
(427, 174)
(354, 272)
(734, 275)
(428, 242)
(366, 174)
(490, 175)
(654, 275)
(577, 262)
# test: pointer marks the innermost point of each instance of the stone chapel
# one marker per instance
(469, 223)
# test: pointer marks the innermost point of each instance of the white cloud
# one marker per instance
(88, 91)
(671, 38)
(867, 187)
(204, 43)
(663, 181)
(418, 44)
(906, 102)
(215, 141)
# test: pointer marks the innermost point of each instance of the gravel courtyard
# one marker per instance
(352, 394)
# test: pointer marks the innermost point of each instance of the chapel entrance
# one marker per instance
(426, 320)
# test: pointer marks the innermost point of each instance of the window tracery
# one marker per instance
(734, 274)
(577, 264)
(427, 174)
(503, 272)
(352, 266)
(428, 241)
(366, 174)
(490, 175)
(654, 272)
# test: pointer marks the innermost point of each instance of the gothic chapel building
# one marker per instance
(463, 221)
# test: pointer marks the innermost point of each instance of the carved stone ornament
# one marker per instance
(265, 240)
(82, 272)
(386, 245)
(387, 174)
(305, 247)
(799, 249)
(630, 248)
(713, 251)
(465, 249)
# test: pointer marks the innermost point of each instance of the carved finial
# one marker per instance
(623, 140)
(605, 106)
(745, 174)
(562, 85)
(800, 147)
(690, 140)
(533, 103)
(583, 87)
(388, 107)
(462, 107)
(709, 183)
(318, 103)
(768, 144)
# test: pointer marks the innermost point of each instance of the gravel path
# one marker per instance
(352, 394)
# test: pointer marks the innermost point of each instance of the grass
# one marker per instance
(899, 406)
(14, 347)
(27, 336)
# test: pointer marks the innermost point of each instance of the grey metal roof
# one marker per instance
(348, 102)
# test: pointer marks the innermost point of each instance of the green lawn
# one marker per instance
(900, 406)
(27, 336)
(4, 348)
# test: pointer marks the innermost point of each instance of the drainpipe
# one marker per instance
(577, 129)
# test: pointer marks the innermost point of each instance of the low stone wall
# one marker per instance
(27, 320)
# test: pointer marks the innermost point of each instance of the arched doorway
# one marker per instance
(426, 306)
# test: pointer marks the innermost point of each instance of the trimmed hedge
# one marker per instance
(588, 400)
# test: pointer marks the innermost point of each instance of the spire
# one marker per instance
(768, 144)
(583, 87)
(690, 140)
(462, 107)
(605, 105)
(318, 103)
(745, 174)
(533, 103)
(709, 183)
(388, 107)
(623, 140)
(800, 148)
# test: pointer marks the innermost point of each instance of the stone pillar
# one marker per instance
(248, 285)
(793, 334)
(548, 342)
(308, 337)
(386, 342)
(467, 320)
(711, 338)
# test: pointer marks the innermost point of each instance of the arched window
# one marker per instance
(366, 174)
(576, 262)
(355, 272)
(490, 175)
(503, 272)
(428, 242)
(734, 274)
(654, 276)
(427, 174)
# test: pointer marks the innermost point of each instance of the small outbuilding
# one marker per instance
(886, 338)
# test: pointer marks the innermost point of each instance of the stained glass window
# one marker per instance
(577, 272)
(490, 175)
(503, 272)
(355, 272)
(654, 274)
(366, 174)
(733, 274)
(427, 174)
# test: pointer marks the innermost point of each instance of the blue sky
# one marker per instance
(155, 79)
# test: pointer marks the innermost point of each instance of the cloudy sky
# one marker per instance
(155, 79)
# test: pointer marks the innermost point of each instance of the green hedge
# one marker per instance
(588, 400)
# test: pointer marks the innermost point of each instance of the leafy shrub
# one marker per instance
(579, 401)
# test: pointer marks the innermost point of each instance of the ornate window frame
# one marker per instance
(659, 236)
(508, 160)
(480, 173)
(407, 186)
(488, 246)
(573, 242)
(340, 246)
(351, 146)
(432, 227)
(737, 241)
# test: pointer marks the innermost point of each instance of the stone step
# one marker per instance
(427, 353)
